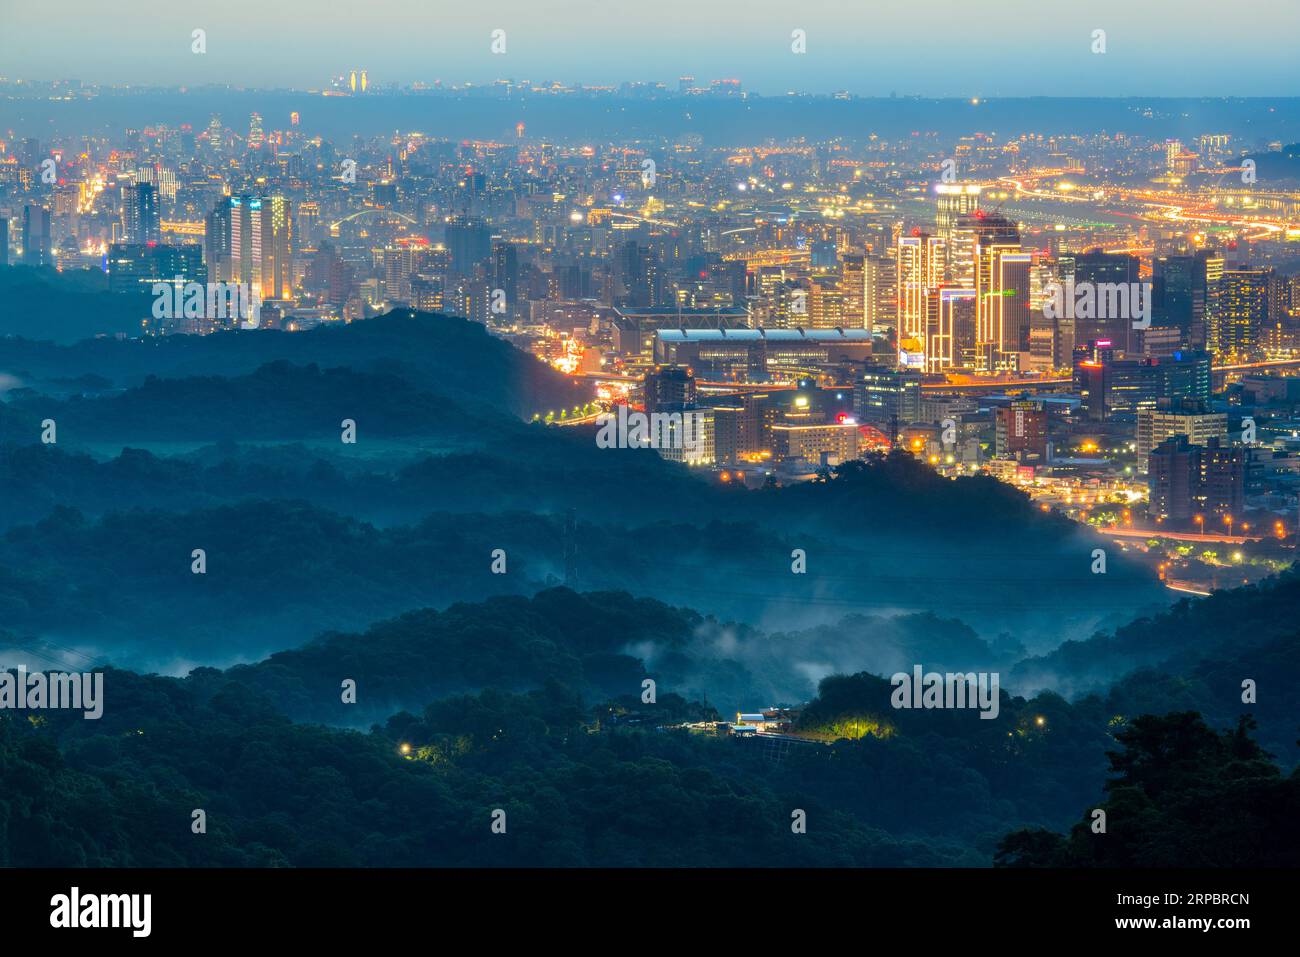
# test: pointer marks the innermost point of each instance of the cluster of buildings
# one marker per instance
(1101, 319)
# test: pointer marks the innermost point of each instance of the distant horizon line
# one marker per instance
(659, 87)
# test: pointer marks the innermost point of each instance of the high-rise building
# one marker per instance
(505, 276)
(277, 245)
(1248, 299)
(1107, 271)
(37, 247)
(955, 208)
(1189, 417)
(4, 241)
(1108, 384)
(1002, 282)
(469, 241)
(134, 268)
(1189, 482)
(887, 396)
(1184, 293)
(853, 286)
(880, 293)
(256, 136)
(140, 222)
(636, 275)
(1172, 478)
(233, 238)
(826, 308)
(922, 263)
(669, 390)
(950, 330)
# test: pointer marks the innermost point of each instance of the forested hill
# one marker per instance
(444, 355)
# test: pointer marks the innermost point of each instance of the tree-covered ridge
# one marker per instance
(1180, 795)
(440, 354)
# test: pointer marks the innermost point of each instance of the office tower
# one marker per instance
(950, 327)
(36, 236)
(1020, 428)
(1184, 293)
(922, 261)
(134, 268)
(469, 241)
(1170, 417)
(1002, 282)
(955, 208)
(1111, 275)
(1248, 299)
(1051, 337)
(1108, 384)
(887, 396)
(140, 222)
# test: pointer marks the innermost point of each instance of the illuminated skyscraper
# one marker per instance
(880, 293)
(232, 245)
(216, 135)
(140, 223)
(277, 242)
(922, 260)
(955, 204)
(1002, 281)
(951, 315)
(853, 285)
(1248, 299)
(256, 138)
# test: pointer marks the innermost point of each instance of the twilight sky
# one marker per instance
(871, 47)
